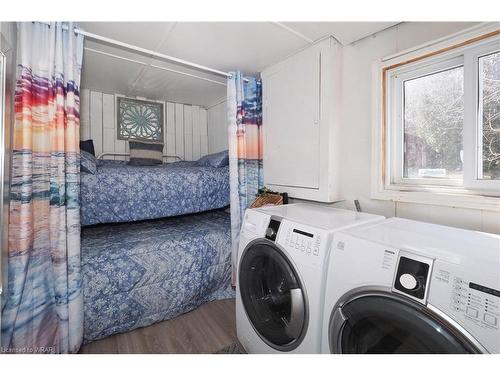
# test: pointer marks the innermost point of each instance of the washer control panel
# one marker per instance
(303, 239)
(476, 302)
(306, 242)
(468, 291)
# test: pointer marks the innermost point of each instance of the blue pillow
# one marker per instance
(217, 160)
(88, 162)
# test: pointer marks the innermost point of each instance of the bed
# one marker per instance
(119, 192)
(137, 274)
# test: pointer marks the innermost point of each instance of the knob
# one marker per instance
(408, 281)
(270, 232)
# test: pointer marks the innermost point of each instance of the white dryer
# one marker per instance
(282, 261)
(404, 286)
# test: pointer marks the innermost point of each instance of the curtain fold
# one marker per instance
(43, 312)
(244, 105)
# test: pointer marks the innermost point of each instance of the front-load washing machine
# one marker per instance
(282, 260)
(404, 286)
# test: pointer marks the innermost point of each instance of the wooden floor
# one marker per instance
(207, 329)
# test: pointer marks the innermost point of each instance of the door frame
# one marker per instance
(337, 319)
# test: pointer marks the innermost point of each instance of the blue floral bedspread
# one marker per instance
(137, 274)
(120, 193)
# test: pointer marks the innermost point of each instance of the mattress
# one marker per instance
(119, 192)
(137, 274)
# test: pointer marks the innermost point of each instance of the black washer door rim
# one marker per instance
(386, 323)
(272, 294)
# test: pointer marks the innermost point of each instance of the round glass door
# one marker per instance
(385, 323)
(272, 295)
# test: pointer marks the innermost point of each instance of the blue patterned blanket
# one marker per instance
(120, 193)
(137, 274)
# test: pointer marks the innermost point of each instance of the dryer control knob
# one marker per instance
(270, 232)
(408, 281)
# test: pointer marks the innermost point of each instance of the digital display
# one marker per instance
(303, 233)
(485, 289)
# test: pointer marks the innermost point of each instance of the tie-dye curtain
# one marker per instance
(244, 102)
(43, 310)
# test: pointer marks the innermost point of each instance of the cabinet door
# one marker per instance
(291, 121)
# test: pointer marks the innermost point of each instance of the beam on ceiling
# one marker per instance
(92, 50)
(294, 32)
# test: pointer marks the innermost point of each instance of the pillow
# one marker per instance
(88, 162)
(217, 160)
(88, 146)
(143, 153)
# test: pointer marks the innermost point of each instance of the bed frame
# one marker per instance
(103, 154)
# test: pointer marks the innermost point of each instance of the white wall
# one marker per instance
(185, 131)
(217, 128)
(356, 129)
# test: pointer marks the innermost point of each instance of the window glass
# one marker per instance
(489, 102)
(433, 125)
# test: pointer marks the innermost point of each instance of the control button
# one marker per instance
(408, 281)
(302, 247)
(490, 319)
(472, 312)
(316, 250)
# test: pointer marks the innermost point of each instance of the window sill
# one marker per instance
(438, 197)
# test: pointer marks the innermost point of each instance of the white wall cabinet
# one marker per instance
(301, 97)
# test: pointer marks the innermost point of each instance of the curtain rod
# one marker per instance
(151, 53)
(147, 52)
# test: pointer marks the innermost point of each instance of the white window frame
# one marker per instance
(473, 167)
(387, 157)
(397, 78)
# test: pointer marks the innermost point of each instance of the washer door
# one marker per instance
(273, 296)
(385, 323)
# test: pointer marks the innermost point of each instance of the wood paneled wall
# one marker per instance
(217, 125)
(185, 128)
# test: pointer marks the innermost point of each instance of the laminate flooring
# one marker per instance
(206, 329)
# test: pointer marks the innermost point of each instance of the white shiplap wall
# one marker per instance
(185, 129)
(217, 128)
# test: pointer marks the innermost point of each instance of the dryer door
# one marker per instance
(386, 323)
(272, 295)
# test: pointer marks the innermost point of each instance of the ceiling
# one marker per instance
(226, 46)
